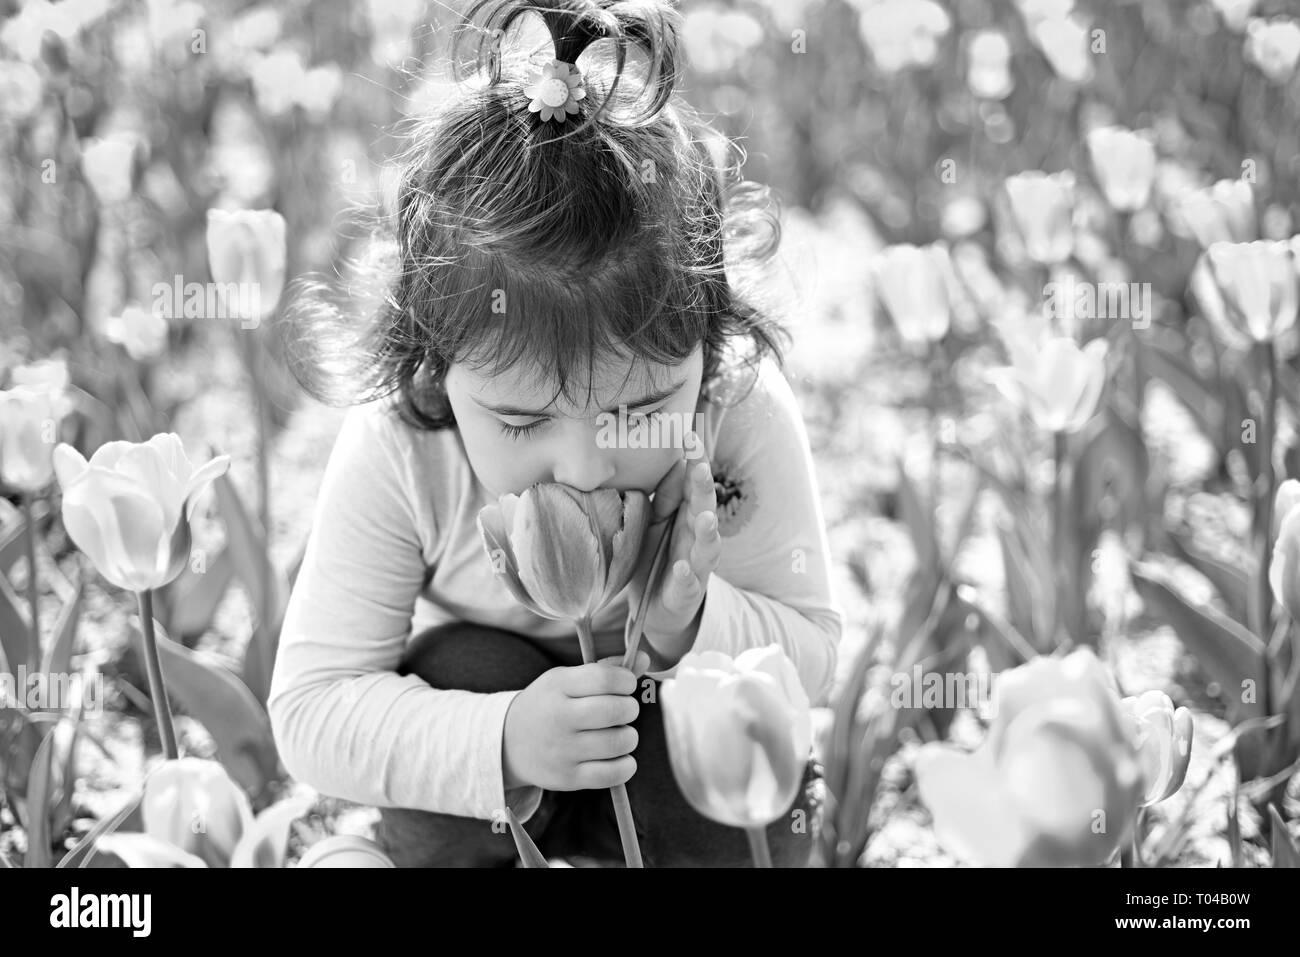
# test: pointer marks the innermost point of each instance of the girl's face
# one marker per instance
(514, 439)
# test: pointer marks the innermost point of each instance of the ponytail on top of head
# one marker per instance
(539, 247)
(649, 27)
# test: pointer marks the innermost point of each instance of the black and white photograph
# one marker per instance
(819, 434)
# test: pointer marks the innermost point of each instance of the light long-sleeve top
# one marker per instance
(394, 548)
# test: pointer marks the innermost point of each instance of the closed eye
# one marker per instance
(516, 432)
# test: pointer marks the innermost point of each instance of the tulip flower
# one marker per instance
(129, 507)
(988, 74)
(129, 510)
(143, 334)
(47, 375)
(1284, 567)
(1042, 206)
(29, 430)
(108, 165)
(1059, 385)
(1057, 779)
(1163, 737)
(1064, 42)
(1125, 164)
(739, 733)
(564, 555)
(345, 850)
(1224, 212)
(1274, 46)
(1257, 283)
(246, 249)
(195, 815)
(1287, 498)
(912, 284)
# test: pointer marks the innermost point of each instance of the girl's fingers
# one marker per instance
(708, 544)
(683, 591)
(702, 494)
(670, 492)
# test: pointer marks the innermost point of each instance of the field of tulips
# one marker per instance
(1041, 267)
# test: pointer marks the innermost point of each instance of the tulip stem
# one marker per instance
(33, 589)
(1265, 491)
(758, 848)
(1060, 457)
(157, 691)
(618, 793)
(652, 583)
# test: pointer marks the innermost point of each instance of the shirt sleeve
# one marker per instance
(344, 721)
(773, 581)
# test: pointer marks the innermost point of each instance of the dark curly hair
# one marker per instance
(536, 246)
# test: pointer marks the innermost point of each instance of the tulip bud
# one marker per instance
(988, 73)
(912, 282)
(29, 429)
(1163, 737)
(246, 252)
(1125, 164)
(345, 850)
(1258, 285)
(1057, 779)
(109, 167)
(1287, 498)
(739, 734)
(1224, 212)
(1059, 385)
(129, 507)
(1042, 206)
(1284, 568)
(1274, 46)
(143, 334)
(193, 804)
(565, 554)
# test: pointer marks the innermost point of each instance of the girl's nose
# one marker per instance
(581, 462)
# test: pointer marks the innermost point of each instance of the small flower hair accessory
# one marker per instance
(555, 91)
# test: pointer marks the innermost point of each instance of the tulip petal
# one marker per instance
(971, 810)
(265, 842)
(69, 465)
(1182, 752)
(559, 558)
(117, 525)
(145, 850)
(200, 479)
(150, 465)
(625, 546)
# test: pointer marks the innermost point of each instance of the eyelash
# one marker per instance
(518, 432)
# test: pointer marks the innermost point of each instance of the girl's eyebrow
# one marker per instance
(644, 400)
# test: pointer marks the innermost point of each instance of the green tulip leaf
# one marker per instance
(267, 588)
(528, 852)
(40, 787)
(86, 848)
(218, 700)
(1285, 851)
(1231, 583)
(58, 657)
(14, 629)
(194, 597)
(1229, 652)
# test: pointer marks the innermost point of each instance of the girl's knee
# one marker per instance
(473, 657)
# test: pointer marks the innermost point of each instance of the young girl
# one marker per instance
(559, 259)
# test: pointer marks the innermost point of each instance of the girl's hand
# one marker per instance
(571, 729)
(685, 506)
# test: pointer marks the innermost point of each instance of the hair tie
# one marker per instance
(555, 91)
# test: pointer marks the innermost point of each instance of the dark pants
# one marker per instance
(575, 823)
